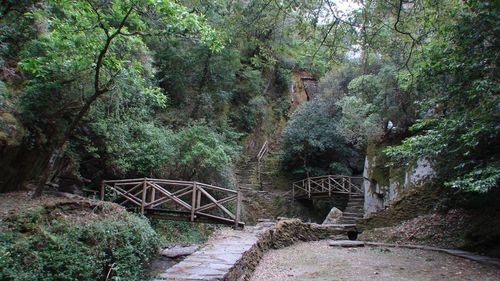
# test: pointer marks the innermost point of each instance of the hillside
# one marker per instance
(183, 115)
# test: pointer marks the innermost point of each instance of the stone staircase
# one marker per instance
(256, 201)
(246, 175)
(354, 210)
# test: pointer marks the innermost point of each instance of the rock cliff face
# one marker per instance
(304, 88)
(382, 184)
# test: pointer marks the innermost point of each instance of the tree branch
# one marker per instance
(400, 8)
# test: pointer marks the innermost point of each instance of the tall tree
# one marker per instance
(97, 42)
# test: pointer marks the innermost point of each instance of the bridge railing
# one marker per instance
(260, 155)
(196, 201)
(327, 185)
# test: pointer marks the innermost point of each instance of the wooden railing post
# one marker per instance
(350, 186)
(152, 195)
(144, 185)
(309, 187)
(193, 201)
(102, 190)
(237, 215)
(198, 199)
(329, 187)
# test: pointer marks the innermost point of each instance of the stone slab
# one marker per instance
(346, 243)
(214, 260)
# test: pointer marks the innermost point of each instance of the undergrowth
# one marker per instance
(181, 232)
(42, 244)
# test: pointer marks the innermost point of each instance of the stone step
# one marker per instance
(355, 203)
(350, 218)
(355, 213)
(352, 210)
(348, 221)
(352, 215)
(360, 207)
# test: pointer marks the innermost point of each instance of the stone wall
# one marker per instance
(275, 236)
(382, 184)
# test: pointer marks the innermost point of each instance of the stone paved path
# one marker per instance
(216, 258)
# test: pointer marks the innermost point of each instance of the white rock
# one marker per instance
(179, 251)
(333, 216)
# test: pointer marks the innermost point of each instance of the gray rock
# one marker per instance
(333, 216)
(179, 251)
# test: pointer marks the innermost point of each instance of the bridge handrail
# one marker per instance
(260, 155)
(327, 183)
(143, 192)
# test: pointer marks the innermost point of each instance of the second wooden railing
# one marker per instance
(326, 185)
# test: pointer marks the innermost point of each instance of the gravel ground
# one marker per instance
(318, 261)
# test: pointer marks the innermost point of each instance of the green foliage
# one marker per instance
(203, 153)
(283, 80)
(175, 232)
(313, 144)
(359, 122)
(39, 246)
(133, 143)
(457, 79)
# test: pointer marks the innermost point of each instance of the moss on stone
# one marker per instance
(412, 202)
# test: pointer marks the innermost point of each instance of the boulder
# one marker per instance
(179, 251)
(333, 216)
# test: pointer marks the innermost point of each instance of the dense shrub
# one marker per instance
(42, 245)
(175, 232)
(313, 144)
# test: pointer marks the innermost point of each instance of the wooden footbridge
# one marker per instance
(176, 200)
(327, 186)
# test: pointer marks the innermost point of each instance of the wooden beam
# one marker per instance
(144, 186)
(127, 195)
(168, 194)
(193, 202)
(198, 199)
(215, 201)
(213, 205)
(130, 191)
(237, 217)
(213, 187)
(103, 187)
(179, 193)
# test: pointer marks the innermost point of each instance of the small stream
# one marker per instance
(161, 264)
(164, 261)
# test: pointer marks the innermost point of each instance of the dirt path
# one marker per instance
(21, 201)
(318, 261)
